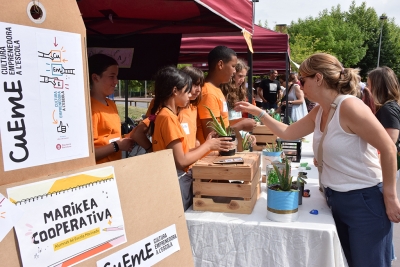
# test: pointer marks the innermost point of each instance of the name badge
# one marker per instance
(224, 107)
(185, 127)
(113, 140)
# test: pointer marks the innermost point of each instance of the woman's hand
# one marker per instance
(247, 107)
(392, 208)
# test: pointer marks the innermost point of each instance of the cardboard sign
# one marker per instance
(41, 66)
(45, 123)
(147, 251)
(68, 219)
(150, 201)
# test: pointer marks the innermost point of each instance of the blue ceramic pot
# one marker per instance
(282, 206)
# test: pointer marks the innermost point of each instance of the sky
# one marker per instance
(286, 11)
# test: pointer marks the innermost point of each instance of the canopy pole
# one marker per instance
(286, 119)
(126, 109)
(250, 78)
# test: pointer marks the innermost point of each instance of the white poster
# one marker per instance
(147, 251)
(42, 103)
(122, 55)
(69, 219)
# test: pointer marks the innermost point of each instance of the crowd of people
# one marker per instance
(359, 151)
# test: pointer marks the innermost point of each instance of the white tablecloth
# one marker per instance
(228, 239)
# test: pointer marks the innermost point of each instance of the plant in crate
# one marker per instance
(283, 198)
(246, 140)
(271, 153)
(222, 131)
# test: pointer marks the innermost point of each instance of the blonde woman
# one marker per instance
(352, 174)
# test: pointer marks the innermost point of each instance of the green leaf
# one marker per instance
(217, 126)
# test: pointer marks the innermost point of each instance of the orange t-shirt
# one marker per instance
(167, 128)
(188, 120)
(213, 98)
(106, 126)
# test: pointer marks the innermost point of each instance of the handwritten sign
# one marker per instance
(68, 219)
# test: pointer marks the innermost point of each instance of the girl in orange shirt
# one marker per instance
(187, 116)
(172, 92)
(103, 72)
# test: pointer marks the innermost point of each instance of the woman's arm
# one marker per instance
(295, 131)
(357, 118)
(393, 133)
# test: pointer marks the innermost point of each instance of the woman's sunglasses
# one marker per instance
(302, 81)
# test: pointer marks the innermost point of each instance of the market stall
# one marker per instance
(270, 49)
(227, 239)
(154, 28)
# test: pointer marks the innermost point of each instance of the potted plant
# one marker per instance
(271, 153)
(246, 141)
(222, 131)
(300, 184)
(282, 198)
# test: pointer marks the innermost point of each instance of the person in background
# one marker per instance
(385, 89)
(108, 142)
(257, 98)
(172, 92)
(386, 92)
(297, 107)
(270, 91)
(235, 90)
(352, 174)
(367, 97)
(221, 63)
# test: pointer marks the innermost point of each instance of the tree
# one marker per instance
(352, 36)
(331, 33)
(367, 21)
(265, 24)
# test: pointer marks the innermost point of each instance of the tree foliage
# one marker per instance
(352, 36)
(265, 25)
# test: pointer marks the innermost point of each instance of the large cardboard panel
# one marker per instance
(61, 15)
(150, 201)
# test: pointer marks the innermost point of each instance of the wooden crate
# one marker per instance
(263, 135)
(230, 188)
(206, 169)
(232, 205)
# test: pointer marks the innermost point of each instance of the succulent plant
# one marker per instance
(218, 126)
(284, 177)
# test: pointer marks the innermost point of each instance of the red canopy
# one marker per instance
(154, 28)
(269, 47)
(166, 16)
